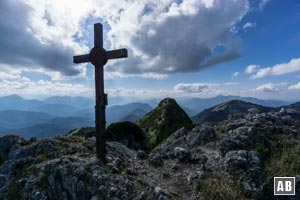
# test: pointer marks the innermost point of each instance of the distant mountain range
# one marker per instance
(59, 114)
(128, 112)
(60, 106)
(221, 111)
(197, 105)
(193, 106)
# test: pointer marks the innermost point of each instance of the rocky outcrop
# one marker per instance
(6, 143)
(65, 168)
(201, 135)
(233, 159)
(249, 166)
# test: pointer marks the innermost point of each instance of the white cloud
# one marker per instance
(235, 74)
(279, 69)
(148, 30)
(37, 36)
(249, 25)
(137, 92)
(251, 69)
(43, 88)
(262, 4)
(232, 83)
(270, 87)
(194, 87)
(294, 87)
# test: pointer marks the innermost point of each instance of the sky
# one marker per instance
(176, 48)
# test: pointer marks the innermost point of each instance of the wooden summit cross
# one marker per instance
(98, 56)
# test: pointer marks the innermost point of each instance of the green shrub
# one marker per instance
(262, 149)
(28, 142)
(284, 162)
(219, 189)
(127, 133)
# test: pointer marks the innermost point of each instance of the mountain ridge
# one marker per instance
(221, 111)
(160, 122)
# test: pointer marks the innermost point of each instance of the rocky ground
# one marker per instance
(233, 159)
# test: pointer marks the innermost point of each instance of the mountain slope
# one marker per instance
(167, 117)
(222, 111)
(293, 110)
(295, 106)
(57, 109)
(197, 104)
(59, 106)
(79, 102)
(15, 102)
(18, 119)
(50, 128)
(121, 112)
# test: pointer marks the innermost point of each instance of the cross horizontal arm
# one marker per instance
(81, 59)
(119, 53)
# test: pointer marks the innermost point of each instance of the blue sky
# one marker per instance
(189, 48)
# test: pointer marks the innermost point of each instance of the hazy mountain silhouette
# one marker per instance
(59, 114)
(128, 112)
(17, 119)
(221, 111)
(79, 102)
(197, 104)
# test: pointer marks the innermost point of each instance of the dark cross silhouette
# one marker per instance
(98, 56)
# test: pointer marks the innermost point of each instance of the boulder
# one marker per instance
(6, 143)
(176, 140)
(181, 154)
(228, 144)
(235, 124)
(201, 135)
(249, 166)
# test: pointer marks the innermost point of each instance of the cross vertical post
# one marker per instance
(100, 120)
(98, 56)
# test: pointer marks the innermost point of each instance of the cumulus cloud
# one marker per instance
(279, 69)
(194, 87)
(294, 87)
(270, 87)
(249, 25)
(251, 69)
(167, 37)
(27, 39)
(162, 37)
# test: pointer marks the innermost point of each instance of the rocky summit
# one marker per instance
(162, 121)
(233, 159)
